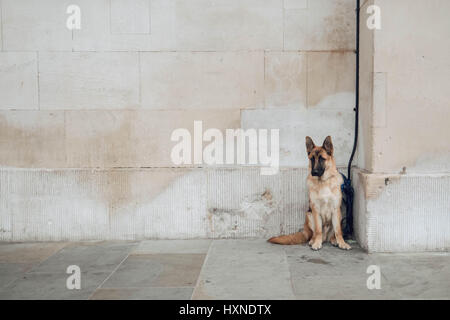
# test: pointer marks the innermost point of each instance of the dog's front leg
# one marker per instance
(316, 240)
(336, 220)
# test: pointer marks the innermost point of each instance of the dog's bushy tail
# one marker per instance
(295, 238)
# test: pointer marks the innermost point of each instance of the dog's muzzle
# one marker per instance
(317, 173)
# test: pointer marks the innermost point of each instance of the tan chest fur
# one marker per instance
(325, 196)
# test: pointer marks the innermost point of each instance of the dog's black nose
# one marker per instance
(317, 173)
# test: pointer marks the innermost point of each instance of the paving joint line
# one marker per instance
(34, 267)
(112, 272)
(201, 269)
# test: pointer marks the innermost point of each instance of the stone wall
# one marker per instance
(403, 174)
(86, 115)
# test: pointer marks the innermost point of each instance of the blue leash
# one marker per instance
(347, 221)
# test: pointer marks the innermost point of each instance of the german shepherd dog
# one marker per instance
(323, 219)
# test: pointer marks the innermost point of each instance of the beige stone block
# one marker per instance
(379, 99)
(173, 80)
(415, 63)
(89, 80)
(415, 50)
(285, 79)
(295, 125)
(229, 24)
(296, 30)
(1, 33)
(99, 33)
(35, 25)
(364, 152)
(331, 79)
(130, 17)
(18, 80)
(32, 139)
(199, 25)
(133, 138)
(295, 4)
(323, 25)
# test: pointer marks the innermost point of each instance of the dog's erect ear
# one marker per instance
(328, 145)
(309, 145)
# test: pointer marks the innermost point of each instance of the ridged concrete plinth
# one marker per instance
(396, 212)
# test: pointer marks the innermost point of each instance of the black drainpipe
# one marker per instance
(347, 186)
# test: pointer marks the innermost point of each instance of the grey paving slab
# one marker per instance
(339, 288)
(18, 258)
(416, 275)
(157, 270)
(244, 269)
(331, 273)
(101, 256)
(218, 269)
(328, 261)
(28, 252)
(172, 246)
(153, 293)
(12, 271)
(51, 286)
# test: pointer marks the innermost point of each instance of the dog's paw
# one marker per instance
(344, 246)
(316, 245)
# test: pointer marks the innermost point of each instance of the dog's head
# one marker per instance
(320, 158)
